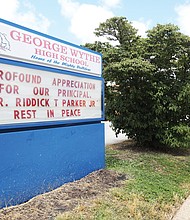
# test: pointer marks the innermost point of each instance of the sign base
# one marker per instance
(36, 161)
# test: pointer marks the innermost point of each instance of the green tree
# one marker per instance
(147, 82)
(168, 50)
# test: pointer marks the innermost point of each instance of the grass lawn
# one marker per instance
(158, 183)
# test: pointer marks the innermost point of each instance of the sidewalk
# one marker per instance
(184, 212)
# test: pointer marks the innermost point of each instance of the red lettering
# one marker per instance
(24, 114)
(9, 89)
(27, 39)
(41, 91)
(71, 112)
(61, 92)
(20, 77)
(16, 114)
(92, 103)
(1, 74)
(56, 100)
(15, 89)
(58, 82)
(74, 52)
(1, 101)
(55, 47)
(63, 102)
(1, 87)
(28, 102)
(84, 56)
(38, 42)
(18, 102)
(47, 45)
(63, 49)
(50, 113)
(15, 35)
(74, 103)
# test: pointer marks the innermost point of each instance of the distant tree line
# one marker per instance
(147, 82)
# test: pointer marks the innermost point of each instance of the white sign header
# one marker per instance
(18, 43)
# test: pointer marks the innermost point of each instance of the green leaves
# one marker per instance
(178, 136)
(147, 82)
(117, 29)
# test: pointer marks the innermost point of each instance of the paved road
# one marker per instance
(184, 212)
(110, 137)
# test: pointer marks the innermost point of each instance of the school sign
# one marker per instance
(51, 108)
(48, 51)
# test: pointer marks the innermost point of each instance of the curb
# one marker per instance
(184, 212)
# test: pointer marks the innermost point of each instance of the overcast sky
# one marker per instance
(75, 20)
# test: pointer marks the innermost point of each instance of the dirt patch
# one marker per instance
(132, 150)
(65, 198)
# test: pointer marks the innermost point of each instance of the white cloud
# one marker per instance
(68, 7)
(111, 3)
(85, 21)
(10, 10)
(141, 27)
(84, 18)
(183, 12)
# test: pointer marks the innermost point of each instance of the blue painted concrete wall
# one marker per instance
(36, 161)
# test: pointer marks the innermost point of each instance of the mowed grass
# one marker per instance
(158, 183)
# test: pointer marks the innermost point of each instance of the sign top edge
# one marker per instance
(47, 36)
